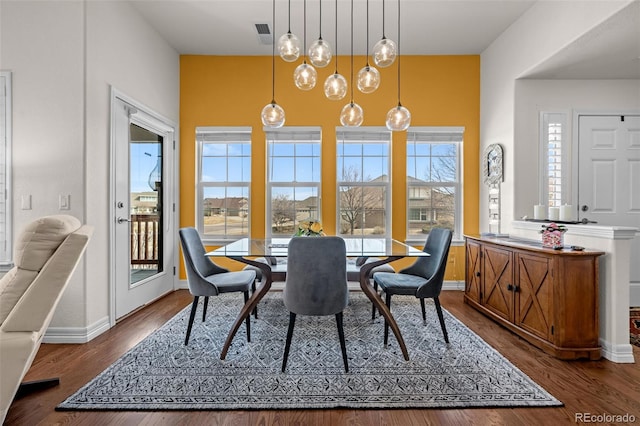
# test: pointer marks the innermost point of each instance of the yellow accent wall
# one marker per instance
(232, 90)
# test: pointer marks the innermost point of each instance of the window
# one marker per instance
(554, 187)
(5, 171)
(224, 176)
(434, 192)
(363, 181)
(293, 178)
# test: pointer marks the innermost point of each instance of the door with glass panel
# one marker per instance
(143, 244)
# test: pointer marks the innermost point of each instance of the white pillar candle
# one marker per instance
(538, 211)
(554, 213)
(566, 212)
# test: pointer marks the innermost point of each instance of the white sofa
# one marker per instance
(45, 256)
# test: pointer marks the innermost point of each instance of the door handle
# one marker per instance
(122, 220)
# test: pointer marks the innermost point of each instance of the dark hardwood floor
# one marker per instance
(594, 387)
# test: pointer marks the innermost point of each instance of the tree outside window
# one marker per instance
(433, 182)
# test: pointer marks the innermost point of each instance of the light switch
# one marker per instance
(64, 201)
(25, 202)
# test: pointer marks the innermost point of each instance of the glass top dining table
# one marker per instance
(356, 247)
(384, 250)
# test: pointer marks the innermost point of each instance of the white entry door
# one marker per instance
(609, 174)
(143, 237)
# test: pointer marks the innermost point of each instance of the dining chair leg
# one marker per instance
(248, 320)
(386, 324)
(343, 345)
(194, 306)
(424, 312)
(373, 307)
(205, 305)
(253, 290)
(441, 318)
(292, 322)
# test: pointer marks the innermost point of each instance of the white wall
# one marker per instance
(546, 28)
(64, 55)
(42, 44)
(123, 51)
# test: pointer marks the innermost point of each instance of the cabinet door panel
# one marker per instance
(497, 267)
(533, 310)
(472, 271)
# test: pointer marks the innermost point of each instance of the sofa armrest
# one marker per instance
(34, 310)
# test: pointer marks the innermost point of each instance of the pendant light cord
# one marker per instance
(273, 55)
(336, 33)
(289, 17)
(304, 36)
(383, 36)
(399, 104)
(351, 52)
(320, 37)
(367, 38)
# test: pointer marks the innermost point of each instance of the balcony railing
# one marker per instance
(145, 239)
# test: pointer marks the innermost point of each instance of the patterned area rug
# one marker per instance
(634, 332)
(161, 373)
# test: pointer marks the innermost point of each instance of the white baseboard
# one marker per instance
(622, 354)
(76, 335)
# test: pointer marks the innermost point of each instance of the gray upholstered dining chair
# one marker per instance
(207, 279)
(423, 279)
(316, 284)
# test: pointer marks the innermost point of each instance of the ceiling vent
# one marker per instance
(264, 34)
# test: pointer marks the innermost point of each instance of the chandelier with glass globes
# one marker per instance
(384, 54)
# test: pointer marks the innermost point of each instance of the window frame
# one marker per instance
(222, 136)
(437, 135)
(6, 206)
(294, 135)
(366, 134)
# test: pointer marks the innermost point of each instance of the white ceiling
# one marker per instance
(428, 27)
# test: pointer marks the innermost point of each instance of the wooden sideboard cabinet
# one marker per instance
(548, 297)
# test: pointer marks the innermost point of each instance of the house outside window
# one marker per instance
(293, 178)
(363, 182)
(223, 181)
(434, 190)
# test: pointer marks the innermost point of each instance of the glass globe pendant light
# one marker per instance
(351, 114)
(368, 77)
(384, 51)
(305, 75)
(289, 43)
(398, 117)
(320, 51)
(272, 114)
(335, 86)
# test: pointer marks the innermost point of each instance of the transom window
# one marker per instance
(224, 176)
(363, 182)
(433, 181)
(293, 178)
